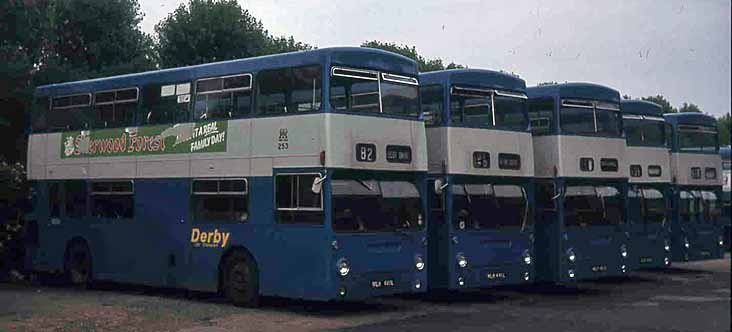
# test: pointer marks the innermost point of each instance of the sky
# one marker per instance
(679, 49)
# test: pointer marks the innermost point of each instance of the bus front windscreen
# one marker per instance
(368, 91)
(654, 206)
(583, 117)
(592, 206)
(698, 138)
(375, 206)
(642, 132)
(510, 112)
(486, 206)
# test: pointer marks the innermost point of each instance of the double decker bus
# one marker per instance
(649, 193)
(297, 175)
(480, 163)
(695, 163)
(726, 199)
(581, 180)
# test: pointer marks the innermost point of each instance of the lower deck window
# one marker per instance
(113, 199)
(296, 201)
(375, 206)
(592, 206)
(220, 200)
(487, 206)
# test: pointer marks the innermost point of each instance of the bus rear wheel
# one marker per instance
(241, 280)
(78, 265)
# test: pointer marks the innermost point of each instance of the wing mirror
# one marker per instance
(440, 186)
(317, 186)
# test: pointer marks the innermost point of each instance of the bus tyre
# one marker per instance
(241, 280)
(78, 265)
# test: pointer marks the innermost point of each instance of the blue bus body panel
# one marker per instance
(641, 107)
(474, 77)
(575, 90)
(648, 240)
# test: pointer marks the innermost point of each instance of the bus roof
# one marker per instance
(641, 107)
(725, 152)
(575, 90)
(690, 118)
(360, 57)
(475, 77)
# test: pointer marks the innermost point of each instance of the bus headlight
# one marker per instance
(343, 267)
(623, 251)
(419, 262)
(461, 260)
(571, 255)
(622, 268)
(721, 241)
(526, 276)
(570, 273)
(461, 281)
(666, 246)
(527, 257)
(686, 243)
(666, 261)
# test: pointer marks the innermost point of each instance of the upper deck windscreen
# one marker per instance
(585, 117)
(645, 130)
(369, 91)
(697, 138)
(488, 108)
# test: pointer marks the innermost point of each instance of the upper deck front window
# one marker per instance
(697, 138)
(644, 130)
(488, 108)
(590, 117)
(369, 91)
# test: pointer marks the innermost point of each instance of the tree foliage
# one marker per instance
(203, 31)
(661, 100)
(724, 125)
(689, 108)
(425, 65)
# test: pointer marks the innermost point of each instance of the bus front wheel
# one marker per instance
(241, 280)
(78, 264)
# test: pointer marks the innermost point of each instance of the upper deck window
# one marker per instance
(488, 108)
(227, 97)
(289, 90)
(697, 138)
(432, 103)
(363, 90)
(115, 108)
(590, 117)
(641, 130)
(70, 112)
(165, 103)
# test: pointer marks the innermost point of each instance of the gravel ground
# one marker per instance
(690, 297)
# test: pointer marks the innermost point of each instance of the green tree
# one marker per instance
(425, 65)
(203, 31)
(689, 108)
(724, 125)
(660, 100)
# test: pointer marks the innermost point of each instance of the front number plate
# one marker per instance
(382, 283)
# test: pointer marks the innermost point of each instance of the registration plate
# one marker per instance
(599, 268)
(382, 283)
(646, 260)
(496, 275)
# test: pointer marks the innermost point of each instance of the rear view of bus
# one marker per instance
(695, 170)
(481, 167)
(649, 191)
(581, 181)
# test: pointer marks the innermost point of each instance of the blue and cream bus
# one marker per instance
(480, 163)
(297, 175)
(695, 169)
(649, 192)
(581, 176)
(726, 199)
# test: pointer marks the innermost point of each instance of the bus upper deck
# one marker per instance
(481, 166)
(247, 173)
(650, 193)
(581, 172)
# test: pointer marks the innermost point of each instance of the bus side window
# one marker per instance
(289, 90)
(165, 103)
(296, 202)
(113, 199)
(219, 201)
(541, 115)
(69, 112)
(75, 199)
(228, 97)
(115, 108)
(432, 103)
(54, 200)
